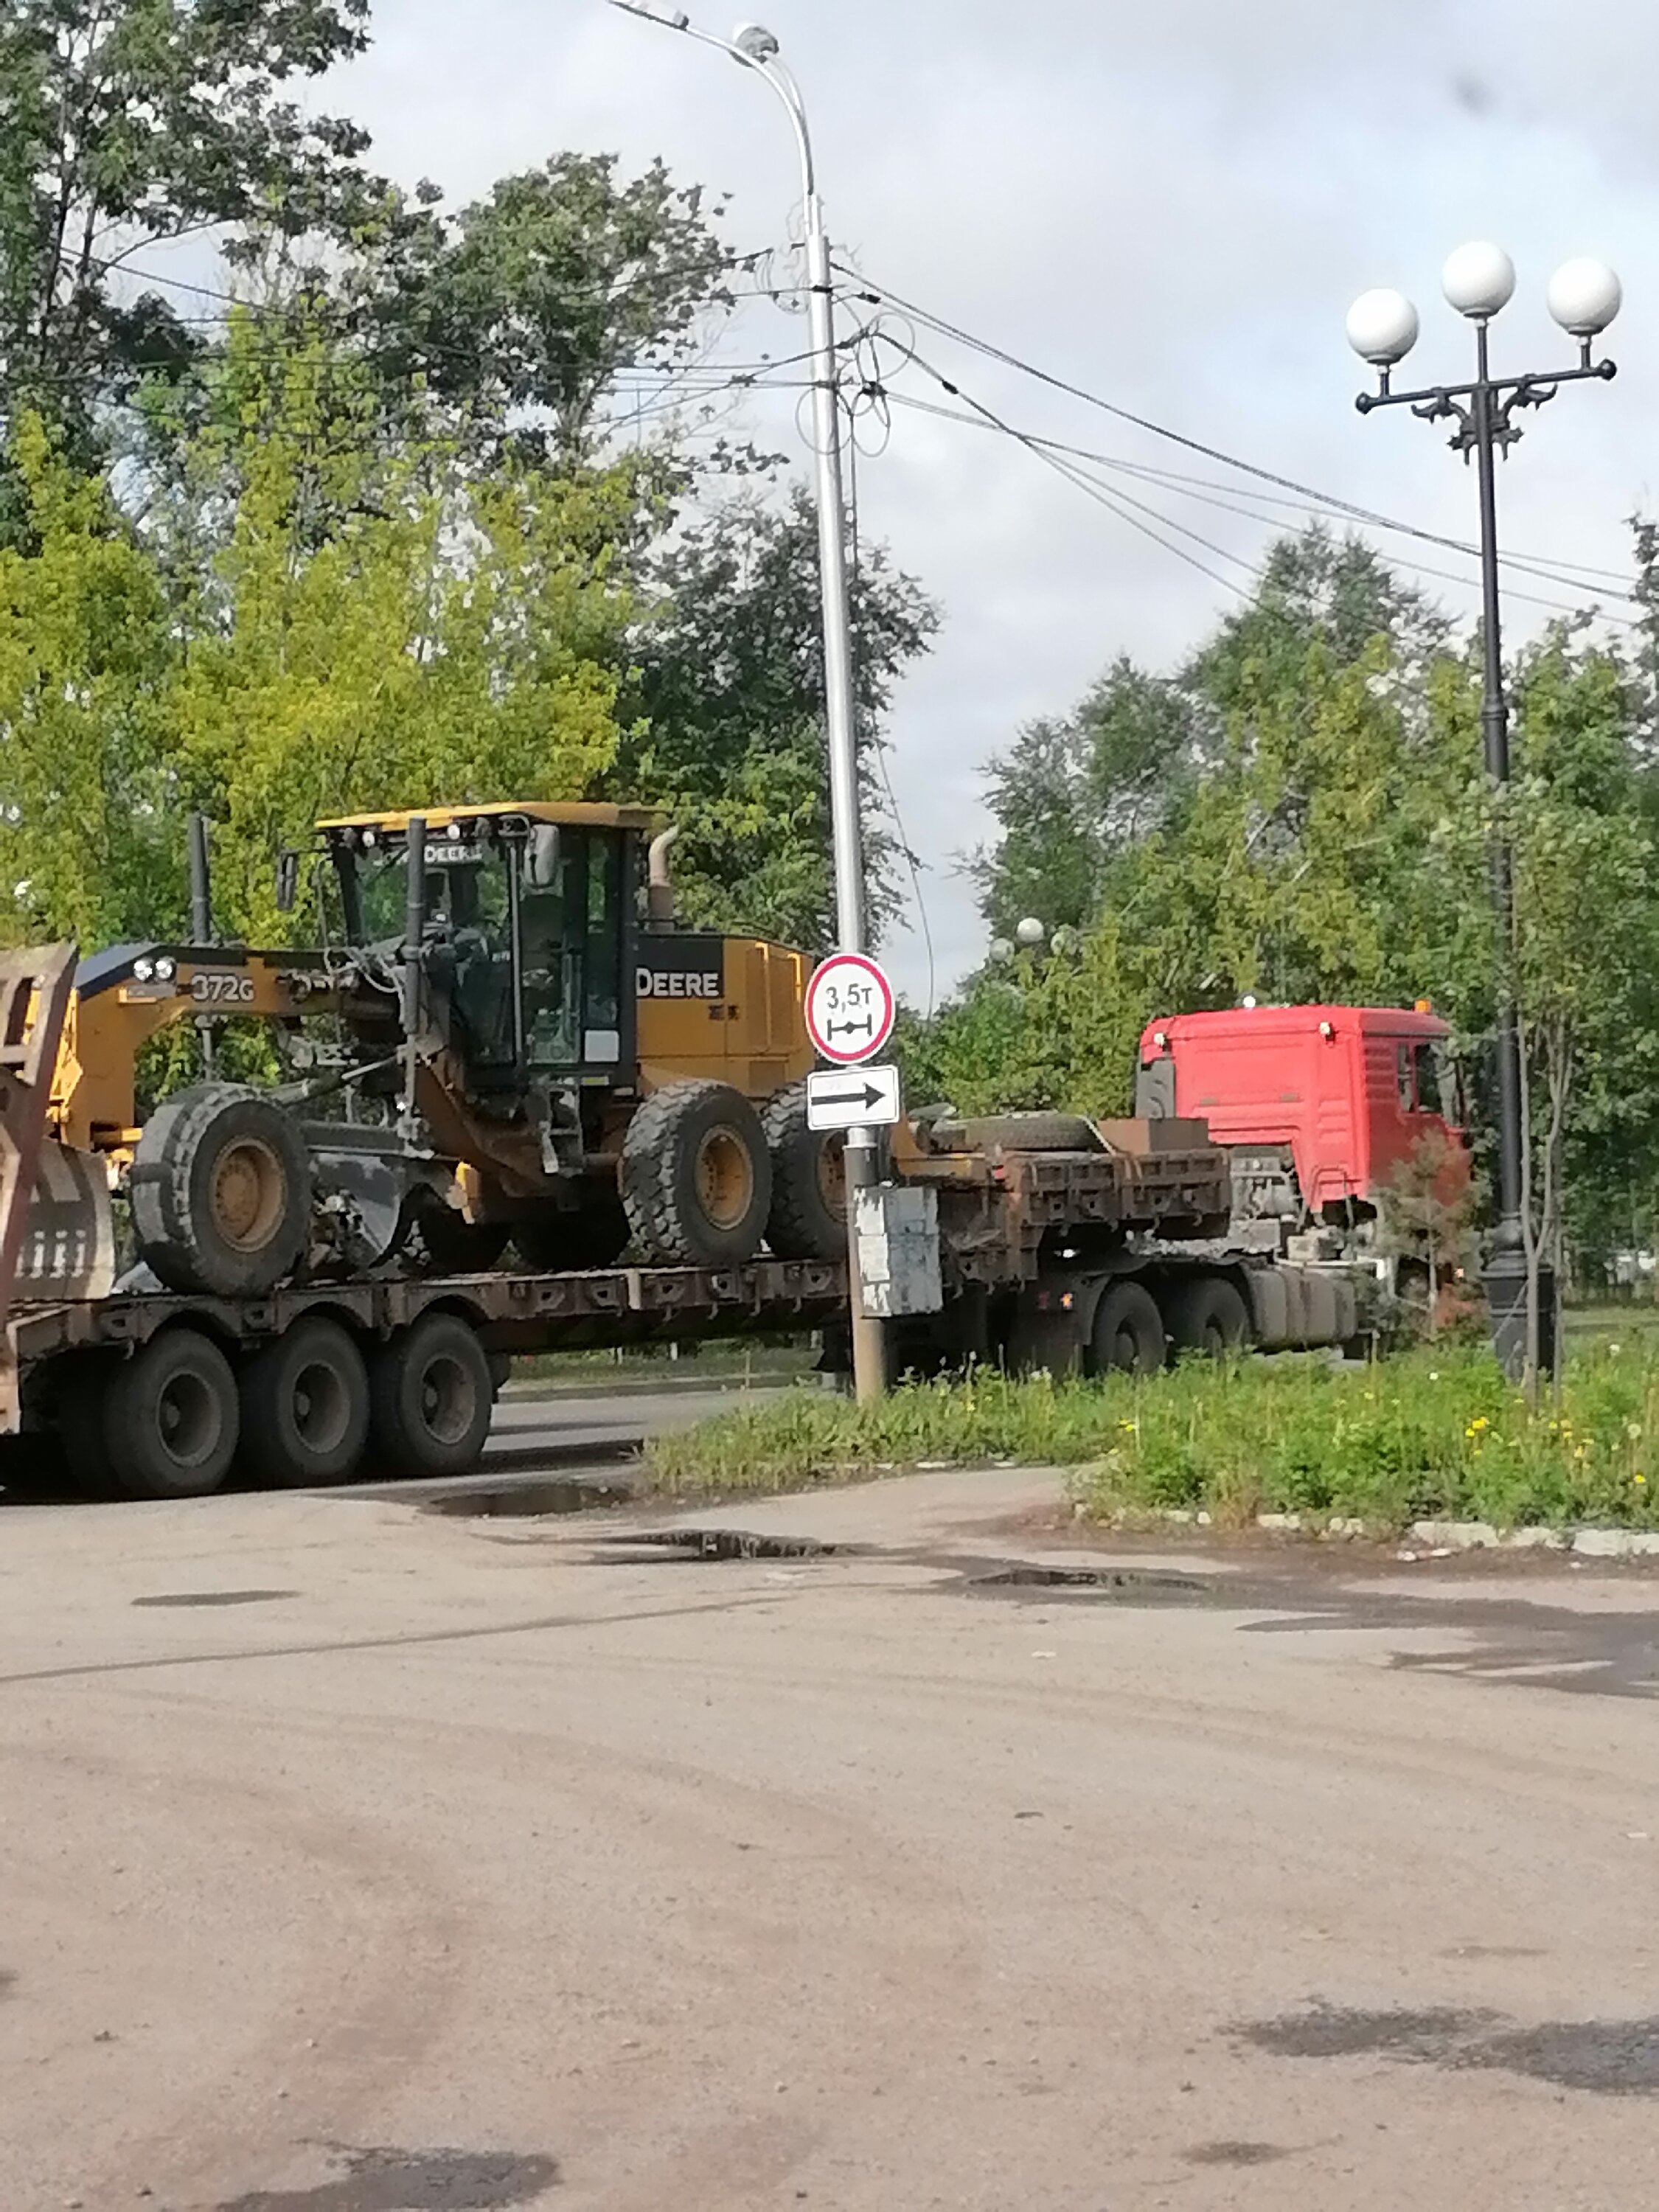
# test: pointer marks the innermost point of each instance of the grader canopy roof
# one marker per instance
(568, 815)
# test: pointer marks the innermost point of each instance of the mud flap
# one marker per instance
(57, 1232)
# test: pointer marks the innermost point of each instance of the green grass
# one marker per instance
(1432, 1434)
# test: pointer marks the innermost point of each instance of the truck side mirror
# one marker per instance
(288, 879)
(542, 857)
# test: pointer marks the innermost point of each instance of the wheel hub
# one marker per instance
(248, 1194)
(725, 1178)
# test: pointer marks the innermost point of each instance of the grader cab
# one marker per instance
(501, 1036)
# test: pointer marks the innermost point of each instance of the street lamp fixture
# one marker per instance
(754, 47)
(1584, 297)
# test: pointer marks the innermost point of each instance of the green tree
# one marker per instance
(126, 123)
(456, 640)
(727, 726)
(517, 316)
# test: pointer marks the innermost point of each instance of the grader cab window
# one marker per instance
(524, 936)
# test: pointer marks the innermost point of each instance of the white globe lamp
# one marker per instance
(1479, 280)
(1584, 296)
(1030, 932)
(1382, 327)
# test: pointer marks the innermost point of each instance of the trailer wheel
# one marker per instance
(305, 1404)
(1209, 1315)
(1128, 1336)
(696, 1177)
(430, 1397)
(171, 1418)
(808, 1220)
(220, 1187)
(592, 1235)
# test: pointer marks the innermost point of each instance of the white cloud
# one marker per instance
(1171, 205)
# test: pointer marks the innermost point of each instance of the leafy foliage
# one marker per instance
(1432, 1434)
(456, 638)
(730, 737)
(124, 123)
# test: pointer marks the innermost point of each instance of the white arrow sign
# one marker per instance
(852, 1097)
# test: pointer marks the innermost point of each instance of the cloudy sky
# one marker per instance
(1171, 206)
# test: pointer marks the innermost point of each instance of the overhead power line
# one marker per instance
(1231, 502)
(878, 295)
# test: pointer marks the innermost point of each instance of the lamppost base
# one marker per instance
(1506, 1299)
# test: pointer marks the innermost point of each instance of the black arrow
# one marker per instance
(869, 1095)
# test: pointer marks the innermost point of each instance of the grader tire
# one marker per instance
(808, 1220)
(221, 1188)
(696, 1176)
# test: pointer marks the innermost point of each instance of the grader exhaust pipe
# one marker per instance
(660, 883)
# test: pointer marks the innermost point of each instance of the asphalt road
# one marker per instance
(356, 1859)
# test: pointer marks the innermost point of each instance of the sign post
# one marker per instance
(850, 1011)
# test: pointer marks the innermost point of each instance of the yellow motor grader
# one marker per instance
(502, 1036)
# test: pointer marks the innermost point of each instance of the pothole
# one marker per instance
(532, 1501)
(733, 1543)
(1145, 1583)
(217, 1597)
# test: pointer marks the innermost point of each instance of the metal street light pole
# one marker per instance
(753, 47)
(1479, 281)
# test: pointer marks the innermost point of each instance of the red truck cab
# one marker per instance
(1348, 1093)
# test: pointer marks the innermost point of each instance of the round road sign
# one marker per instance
(850, 1008)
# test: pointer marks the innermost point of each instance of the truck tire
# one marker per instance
(171, 1418)
(808, 1219)
(1018, 1132)
(696, 1177)
(592, 1235)
(1128, 1333)
(1207, 1314)
(305, 1404)
(430, 1397)
(220, 1187)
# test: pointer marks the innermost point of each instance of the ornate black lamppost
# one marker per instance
(1584, 296)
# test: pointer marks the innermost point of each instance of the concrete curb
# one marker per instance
(1441, 1539)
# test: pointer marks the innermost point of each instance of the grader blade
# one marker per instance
(56, 1234)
